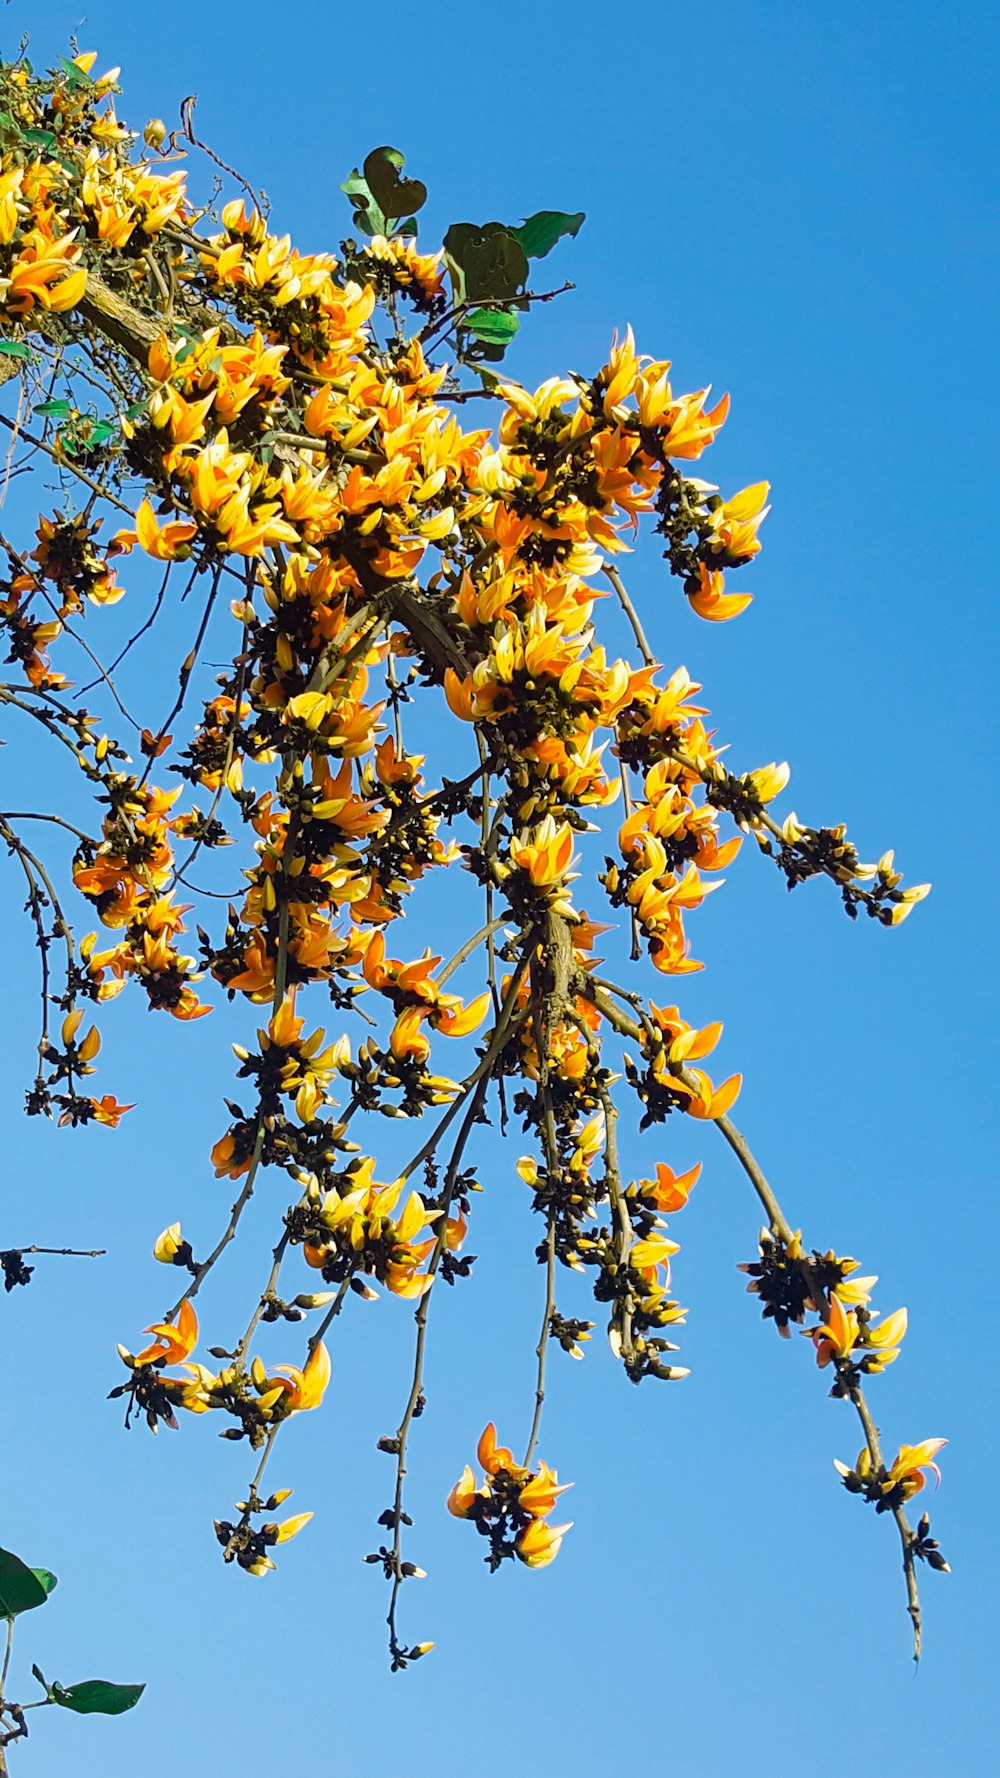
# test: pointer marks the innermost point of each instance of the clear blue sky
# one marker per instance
(797, 202)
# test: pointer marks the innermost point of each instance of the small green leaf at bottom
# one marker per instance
(96, 1697)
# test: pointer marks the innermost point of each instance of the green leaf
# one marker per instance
(367, 215)
(137, 408)
(15, 349)
(409, 227)
(540, 233)
(96, 1697)
(46, 1579)
(101, 432)
(75, 75)
(487, 264)
(495, 327)
(53, 410)
(394, 196)
(20, 1588)
(39, 138)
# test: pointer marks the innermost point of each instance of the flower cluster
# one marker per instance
(290, 446)
(511, 1506)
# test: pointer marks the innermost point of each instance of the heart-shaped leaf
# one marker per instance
(540, 233)
(394, 196)
(96, 1697)
(487, 264)
(21, 1589)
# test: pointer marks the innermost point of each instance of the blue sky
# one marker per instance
(797, 203)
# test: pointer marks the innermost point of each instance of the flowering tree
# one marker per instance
(287, 434)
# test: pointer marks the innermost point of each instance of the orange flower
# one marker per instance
(108, 1111)
(173, 1343)
(165, 543)
(712, 1102)
(492, 1456)
(304, 1388)
(711, 602)
(906, 1469)
(670, 1191)
(224, 1160)
(462, 1495)
(406, 1040)
(837, 1337)
(539, 1496)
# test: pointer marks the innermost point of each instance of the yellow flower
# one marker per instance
(168, 1244)
(539, 1544)
(67, 293)
(545, 856)
(886, 1339)
(165, 543)
(907, 1467)
(736, 521)
(291, 1527)
(539, 1496)
(304, 1388)
(767, 782)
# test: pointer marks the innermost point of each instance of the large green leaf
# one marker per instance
(487, 263)
(540, 233)
(495, 327)
(15, 349)
(394, 196)
(46, 1579)
(96, 1697)
(21, 1589)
